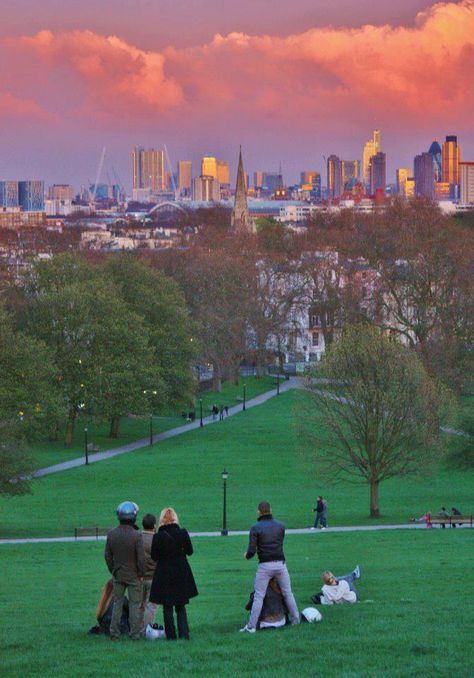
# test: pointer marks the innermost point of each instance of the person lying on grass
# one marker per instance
(337, 590)
(274, 612)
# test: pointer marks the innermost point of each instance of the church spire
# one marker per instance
(241, 220)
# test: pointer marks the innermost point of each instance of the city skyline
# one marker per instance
(289, 89)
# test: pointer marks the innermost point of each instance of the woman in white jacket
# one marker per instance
(337, 590)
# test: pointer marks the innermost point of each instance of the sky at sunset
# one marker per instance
(291, 82)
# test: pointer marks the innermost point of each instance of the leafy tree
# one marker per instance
(384, 418)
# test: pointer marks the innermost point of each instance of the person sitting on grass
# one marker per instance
(337, 590)
(274, 612)
(104, 612)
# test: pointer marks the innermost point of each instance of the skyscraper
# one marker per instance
(334, 168)
(240, 219)
(404, 174)
(184, 177)
(31, 195)
(377, 173)
(350, 173)
(371, 148)
(424, 175)
(9, 194)
(148, 169)
(435, 151)
(310, 180)
(450, 158)
(61, 192)
(466, 175)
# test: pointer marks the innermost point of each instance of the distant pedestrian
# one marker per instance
(226, 410)
(125, 560)
(215, 412)
(321, 513)
(221, 412)
(266, 539)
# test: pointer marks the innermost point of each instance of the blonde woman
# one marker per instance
(173, 582)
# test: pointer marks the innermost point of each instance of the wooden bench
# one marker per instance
(239, 399)
(91, 532)
(451, 520)
(91, 447)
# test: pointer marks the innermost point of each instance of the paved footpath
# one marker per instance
(293, 382)
(233, 533)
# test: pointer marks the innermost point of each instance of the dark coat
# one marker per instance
(173, 582)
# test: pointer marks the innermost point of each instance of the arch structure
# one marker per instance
(167, 204)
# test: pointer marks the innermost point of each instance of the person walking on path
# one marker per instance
(321, 513)
(125, 560)
(173, 582)
(266, 539)
(147, 609)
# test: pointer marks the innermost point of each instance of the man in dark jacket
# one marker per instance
(266, 539)
(125, 559)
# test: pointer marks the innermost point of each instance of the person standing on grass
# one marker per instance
(147, 609)
(173, 582)
(125, 560)
(266, 539)
(321, 513)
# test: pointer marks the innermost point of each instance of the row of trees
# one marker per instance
(107, 338)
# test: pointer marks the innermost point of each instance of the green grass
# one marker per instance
(259, 448)
(47, 453)
(416, 625)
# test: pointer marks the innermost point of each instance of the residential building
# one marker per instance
(466, 175)
(31, 195)
(61, 192)
(371, 148)
(148, 169)
(378, 172)
(424, 175)
(334, 177)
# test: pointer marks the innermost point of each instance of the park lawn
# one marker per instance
(413, 618)
(47, 453)
(260, 450)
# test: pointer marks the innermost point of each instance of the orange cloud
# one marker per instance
(420, 73)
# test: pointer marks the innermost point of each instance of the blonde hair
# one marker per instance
(168, 516)
(327, 576)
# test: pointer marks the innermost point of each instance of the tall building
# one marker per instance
(184, 177)
(258, 179)
(223, 172)
(61, 192)
(450, 158)
(371, 148)
(424, 175)
(9, 194)
(148, 169)
(240, 219)
(272, 181)
(466, 175)
(402, 174)
(378, 172)
(206, 189)
(31, 195)
(435, 152)
(209, 166)
(350, 174)
(335, 184)
(310, 181)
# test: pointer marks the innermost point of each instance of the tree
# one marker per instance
(384, 418)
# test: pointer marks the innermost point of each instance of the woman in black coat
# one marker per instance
(173, 582)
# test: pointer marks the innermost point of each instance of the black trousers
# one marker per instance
(182, 617)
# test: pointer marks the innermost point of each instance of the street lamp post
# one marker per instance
(224, 531)
(278, 383)
(201, 423)
(86, 445)
(245, 393)
(151, 430)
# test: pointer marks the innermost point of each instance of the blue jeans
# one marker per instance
(321, 518)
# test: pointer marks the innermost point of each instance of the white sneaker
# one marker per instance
(312, 528)
(246, 629)
(323, 528)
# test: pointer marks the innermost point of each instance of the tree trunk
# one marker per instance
(54, 435)
(114, 426)
(70, 429)
(217, 379)
(261, 362)
(374, 499)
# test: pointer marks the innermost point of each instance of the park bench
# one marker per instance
(239, 399)
(92, 447)
(451, 520)
(91, 532)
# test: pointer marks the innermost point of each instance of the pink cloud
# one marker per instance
(13, 108)
(397, 75)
